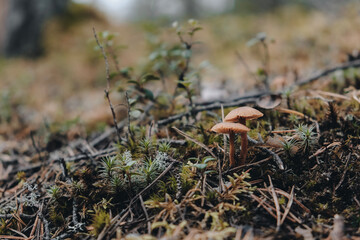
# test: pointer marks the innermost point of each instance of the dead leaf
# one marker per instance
(269, 101)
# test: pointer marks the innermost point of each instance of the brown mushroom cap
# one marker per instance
(246, 113)
(227, 127)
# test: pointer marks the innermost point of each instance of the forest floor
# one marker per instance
(161, 173)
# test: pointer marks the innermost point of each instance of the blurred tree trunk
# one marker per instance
(191, 8)
(22, 25)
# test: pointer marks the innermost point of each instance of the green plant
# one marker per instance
(202, 164)
(146, 145)
(307, 137)
(108, 166)
(164, 147)
(4, 226)
(100, 220)
(55, 192)
(288, 146)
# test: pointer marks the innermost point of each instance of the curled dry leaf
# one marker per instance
(269, 101)
(276, 141)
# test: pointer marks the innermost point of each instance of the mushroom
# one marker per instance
(240, 115)
(231, 129)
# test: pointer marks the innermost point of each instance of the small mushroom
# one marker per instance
(240, 115)
(231, 129)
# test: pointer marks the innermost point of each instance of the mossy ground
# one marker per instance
(155, 182)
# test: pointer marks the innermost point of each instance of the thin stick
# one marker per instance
(146, 214)
(327, 71)
(276, 157)
(343, 175)
(128, 113)
(221, 182)
(107, 83)
(246, 66)
(288, 206)
(194, 141)
(247, 165)
(35, 146)
(277, 205)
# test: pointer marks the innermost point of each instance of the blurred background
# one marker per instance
(52, 73)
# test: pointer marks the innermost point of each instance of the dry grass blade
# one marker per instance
(279, 191)
(344, 173)
(288, 206)
(247, 165)
(289, 111)
(194, 141)
(323, 149)
(291, 216)
(263, 204)
(283, 131)
(146, 214)
(277, 205)
(238, 233)
(12, 237)
(335, 95)
(249, 235)
(17, 232)
(35, 225)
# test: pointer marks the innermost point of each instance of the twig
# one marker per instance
(194, 141)
(328, 71)
(63, 167)
(288, 206)
(146, 214)
(74, 213)
(105, 58)
(35, 146)
(263, 204)
(11, 237)
(247, 165)
(108, 84)
(105, 152)
(35, 225)
(246, 66)
(276, 157)
(277, 205)
(128, 114)
(343, 175)
(21, 215)
(266, 64)
(357, 201)
(323, 149)
(213, 106)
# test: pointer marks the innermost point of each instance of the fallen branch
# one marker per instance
(327, 71)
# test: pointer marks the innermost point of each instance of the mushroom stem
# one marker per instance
(244, 143)
(244, 146)
(232, 149)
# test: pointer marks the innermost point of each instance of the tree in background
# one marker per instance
(22, 23)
